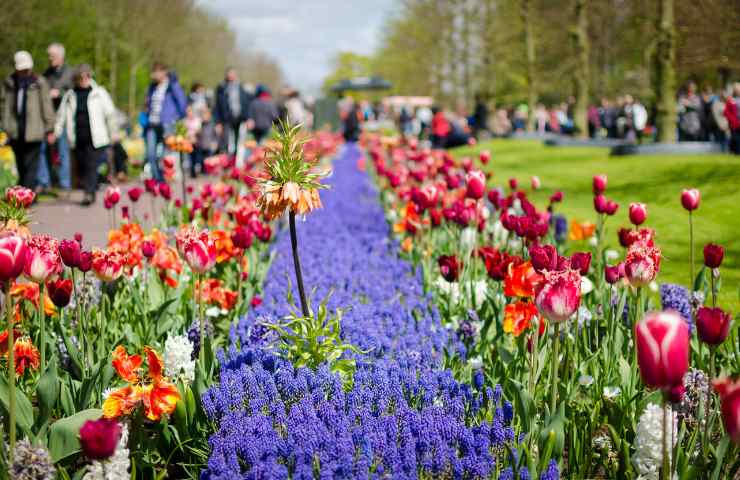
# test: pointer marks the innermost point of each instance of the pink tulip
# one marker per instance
(485, 157)
(641, 264)
(476, 184)
(108, 266)
(134, 193)
(43, 262)
(690, 199)
(199, 251)
(20, 196)
(599, 184)
(536, 183)
(86, 259)
(729, 397)
(428, 196)
(600, 203)
(13, 252)
(513, 183)
(612, 274)
(662, 340)
(712, 325)
(559, 295)
(69, 250)
(148, 249)
(611, 207)
(112, 195)
(99, 438)
(638, 213)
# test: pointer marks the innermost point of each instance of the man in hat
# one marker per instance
(26, 115)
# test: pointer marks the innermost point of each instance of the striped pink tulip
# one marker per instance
(662, 340)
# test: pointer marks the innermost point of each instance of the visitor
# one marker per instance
(480, 116)
(87, 118)
(165, 105)
(440, 128)
(206, 143)
(295, 111)
(262, 113)
(424, 117)
(520, 117)
(716, 127)
(594, 121)
(352, 124)
(193, 124)
(501, 125)
(689, 115)
(541, 119)
(405, 121)
(231, 109)
(59, 77)
(26, 116)
(197, 98)
(608, 118)
(732, 114)
(639, 119)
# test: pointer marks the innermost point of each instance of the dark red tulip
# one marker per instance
(613, 274)
(60, 291)
(134, 193)
(86, 259)
(556, 197)
(69, 250)
(712, 325)
(713, 255)
(241, 237)
(165, 190)
(544, 257)
(513, 183)
(78, 237)
(449, 267)
(148, 249)
(98, 438)
(581, 261)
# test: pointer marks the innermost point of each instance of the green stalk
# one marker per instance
(42, 325)
(708, 404)
(11, 371)
(80, 330)
(554, 371)
(666, 470)
(714, 289)
(691, 252)
(297, 264)
(201, 319)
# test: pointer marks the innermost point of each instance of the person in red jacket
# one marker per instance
(732, 114)
(440, 128)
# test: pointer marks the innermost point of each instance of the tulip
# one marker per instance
(485, 157)
(611, 207)
(150, 185)
(43, 262)
(559, 295)
(20, 196)
(581, 261)
(112, 195)
(712, 325)
(148, 248)
(99, 438)
(199, 251)
(600, 203)
(242, 237)
(662, 340)
(134, 193)
(78, 237)
(513, 183)
(641, 264)
(690, 199)
(60, 291)
(599, 184)
(638, 213)
(612, 274)
(13, 253)
(165, 190)
(713, 255)
(86, 259)
(449, 267)
(729, 397)
(625, 237)
(108, 266)
(494, 196)
(556, 197)
(69, 250)
(475, 181)
(256, 301)
(544, 257)
(536, 183)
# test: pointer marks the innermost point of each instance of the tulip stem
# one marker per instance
(708, 404)
(554, 371)
(201, 319)
(297, 264)
(714, 290)
(666, 471)
(42, 326)
(691, 251)
(11, 371)
(182, 175)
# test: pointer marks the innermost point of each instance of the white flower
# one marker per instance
(479, 290)
(467, 239)
(117, 466)
(653, 286)
(515, 245)
(178, 358)
(213, 311)
(648, 455)
(449, 288)
(485, 212)
(593, 241)
(476, 363)
(586, 285)
(611, 255)
(584, 315)
(586, 380)
(610, 393)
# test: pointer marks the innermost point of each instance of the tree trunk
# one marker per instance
(526, 12)
(581, 71)
(132, 88)
(665, 57)
(113, 84)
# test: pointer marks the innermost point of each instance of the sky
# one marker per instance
(304, 35)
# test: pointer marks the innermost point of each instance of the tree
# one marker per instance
(581, 70)
(665, 57)
(527, 20)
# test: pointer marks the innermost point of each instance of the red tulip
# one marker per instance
(449, 267)
(99, 438)
(13, 253)
(729, 397)
(86, 259)
(613, 274)
(485, 157)
(543, 257)
(242, 237)
(264, 233)
(556, 197)
(165, 190)
(662, 340)
(641, 264)
(148, 249)
(581, 261)
(513, 183)
(713, 255)
(559, 295)
(600, 203)
(151, 186)
(436, 217)
(199, 251)
(599, 184)
(134, 193)
(108, 266)
(256, 301)
(536, 183)
(112, 195)
(712, 325)
(611, 207)
(690, 199)
(638, 213)
(78, 237)
(20, 196)
(43, 262)
(476, 184)
(60, 291)
(69, 250)
(427, 196)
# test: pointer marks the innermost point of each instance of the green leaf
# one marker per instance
(47, 391)
(64, 434)
(23, 407)
(720, 453)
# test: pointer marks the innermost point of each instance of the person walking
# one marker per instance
(231, 109)
(27, 116)
(262, 113)
(689, 115)
(732, 115)
(295, 111)
(59, 77)
(165, 105)
(87, 117)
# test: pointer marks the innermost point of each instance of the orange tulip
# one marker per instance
(521, 280)
(518, 317)
(581, 231)
(159, 398)
(126, 365)
(26, 355)
(122, 401)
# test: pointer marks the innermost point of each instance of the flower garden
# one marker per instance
(365, 311)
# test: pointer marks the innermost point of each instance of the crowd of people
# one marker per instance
(707, 117)
(62, 118)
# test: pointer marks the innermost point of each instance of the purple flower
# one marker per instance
(676, 297)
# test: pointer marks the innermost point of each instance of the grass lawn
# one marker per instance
(656, 180)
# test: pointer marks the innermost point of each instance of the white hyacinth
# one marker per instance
(178, 360)
(116, 467)
(648, 456)
(467, 239)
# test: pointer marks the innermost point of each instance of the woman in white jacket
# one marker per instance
(88, 116)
